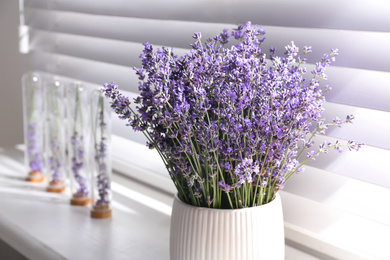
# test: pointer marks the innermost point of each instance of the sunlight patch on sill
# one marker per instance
(359, 235)
(141, 198)
(364, 199)
(119, 206)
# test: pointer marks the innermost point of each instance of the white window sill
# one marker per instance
(43, 225)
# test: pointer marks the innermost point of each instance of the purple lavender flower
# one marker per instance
(102, 179)
(230, 124)
(78, 164)
(33, 149)
(245, 172)
(55, 162)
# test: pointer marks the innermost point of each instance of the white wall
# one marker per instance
(12, 67)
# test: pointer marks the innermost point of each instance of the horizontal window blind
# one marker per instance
(100, 41)
(361, 15)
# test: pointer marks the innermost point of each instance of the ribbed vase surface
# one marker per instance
(222, 234)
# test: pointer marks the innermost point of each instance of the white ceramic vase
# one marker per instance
(221, 234)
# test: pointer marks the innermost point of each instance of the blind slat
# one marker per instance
(82, 69)
(366, 15)
(357, 87)
(345, 193)
(167, 33)
(85, 47)
(367, 122)
(369, 164)
(178, 34)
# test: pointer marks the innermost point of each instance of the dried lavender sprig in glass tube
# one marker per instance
(101, 156)
(33, 126)
(78, 141)
(55, 135)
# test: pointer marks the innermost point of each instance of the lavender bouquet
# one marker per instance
(230, 124)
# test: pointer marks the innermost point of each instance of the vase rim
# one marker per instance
(276, 201)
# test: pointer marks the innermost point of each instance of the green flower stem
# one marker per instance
(150, 139)
(289, 174)
(217, 161)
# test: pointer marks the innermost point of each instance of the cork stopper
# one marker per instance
(79, 200)
(56, 187)
(35, 176)
(100, 211)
